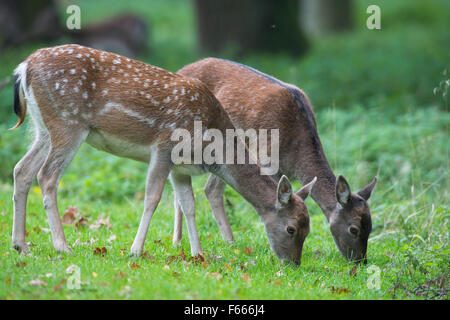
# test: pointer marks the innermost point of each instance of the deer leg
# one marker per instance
(183, 192)
(24, 173)
(63, 149)
(178, 222)
(214, 190)
(158, 172)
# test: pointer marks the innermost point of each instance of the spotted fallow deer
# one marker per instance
(128, 108)
(253, 99)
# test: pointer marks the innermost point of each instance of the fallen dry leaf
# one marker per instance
(134, 266)
(248, 251)
(278, 282)
(37, 282)
(81, 222)
(340, 290)
(198, 258)
(121, 274)
(214, 275)
(147, 255)
(70, 215)
(100, 251)
(353, 271)
(182, 255)
(112, 238)
(21, 264)
(101, 221)
(245, 277)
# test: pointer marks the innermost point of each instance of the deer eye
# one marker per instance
(291, 229)
(354, 231)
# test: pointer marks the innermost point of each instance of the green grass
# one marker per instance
(377, 115)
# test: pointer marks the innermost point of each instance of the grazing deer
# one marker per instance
(128, 108)
(253, 99)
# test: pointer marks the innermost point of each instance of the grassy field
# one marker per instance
(378, 113)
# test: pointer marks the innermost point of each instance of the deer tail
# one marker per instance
(20, 105)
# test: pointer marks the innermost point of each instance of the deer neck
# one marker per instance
(310, 161)
(259, 190)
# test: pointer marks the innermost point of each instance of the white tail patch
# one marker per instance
(21, 73)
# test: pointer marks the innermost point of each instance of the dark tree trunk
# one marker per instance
(321, 17)
(241, 26)
(22, 21)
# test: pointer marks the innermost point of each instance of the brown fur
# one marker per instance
(255, 100)
(81, 91)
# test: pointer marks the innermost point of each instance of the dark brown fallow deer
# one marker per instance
(256, 100)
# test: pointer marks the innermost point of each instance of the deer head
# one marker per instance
(288, 228)
(350, 222)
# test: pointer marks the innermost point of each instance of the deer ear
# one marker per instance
(284, 190)
(342, 191)
(367, 190)
(306, 189)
